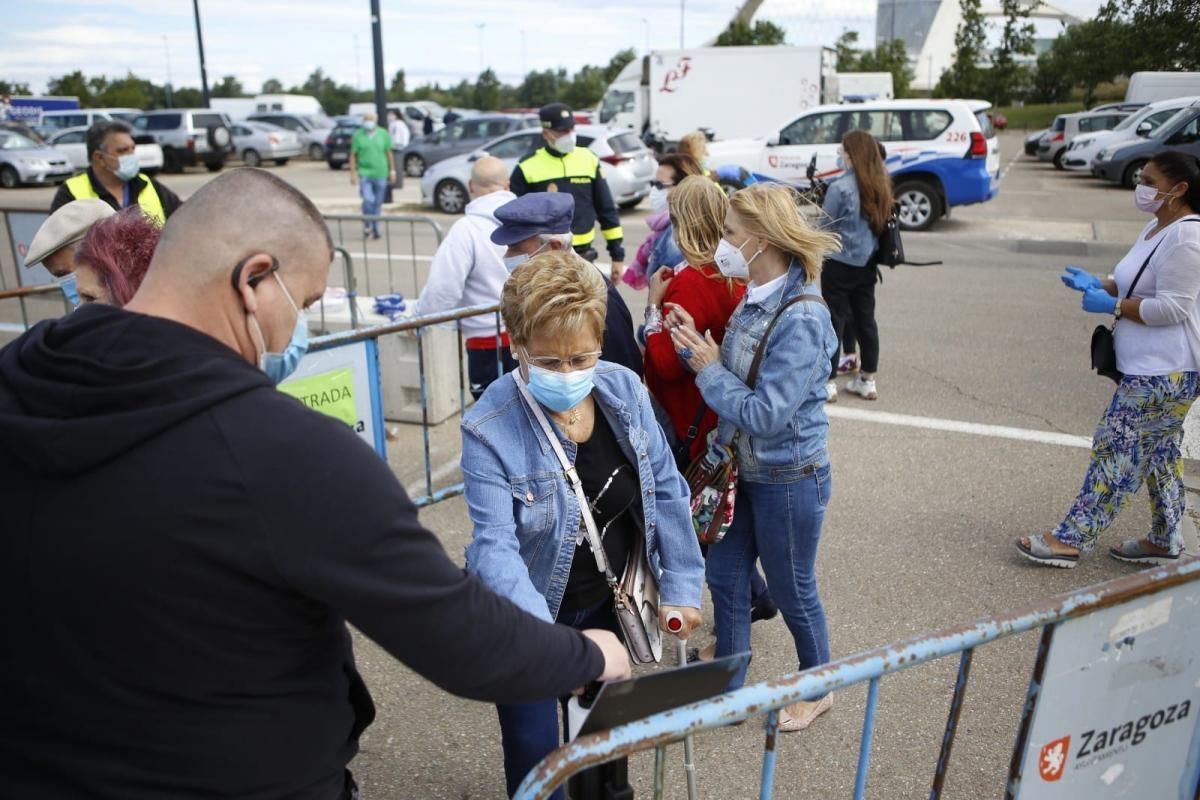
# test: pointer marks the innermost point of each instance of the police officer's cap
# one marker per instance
(531, 214)
(556, 117)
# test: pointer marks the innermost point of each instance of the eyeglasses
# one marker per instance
(660, 185)
(575, 362)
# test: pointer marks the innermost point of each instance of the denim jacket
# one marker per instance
(843, 216)
(782, 420)
(525, 513)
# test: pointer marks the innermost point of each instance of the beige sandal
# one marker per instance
(798, 716)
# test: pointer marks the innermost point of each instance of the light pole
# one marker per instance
(481, 26)
(200, 44)
(168, 88)
(646, 22)
(524, 59)
(681, 10)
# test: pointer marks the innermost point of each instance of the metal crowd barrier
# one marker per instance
(401, 247)
(768, 697)
(20, 294)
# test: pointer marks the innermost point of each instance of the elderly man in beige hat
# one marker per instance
(55, 242)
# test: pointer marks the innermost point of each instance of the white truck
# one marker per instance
(862, 87)
(731, 92)
(1150, 87)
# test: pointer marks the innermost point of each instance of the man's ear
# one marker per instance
(248, 274)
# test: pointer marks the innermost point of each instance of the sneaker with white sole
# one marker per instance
(831, 392)
(863, 387)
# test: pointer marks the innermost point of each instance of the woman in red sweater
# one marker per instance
(697, 206)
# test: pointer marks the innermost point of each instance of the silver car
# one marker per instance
(313, 129)
(256, 142)
(625, 163)
(24, 161)
(72, 142)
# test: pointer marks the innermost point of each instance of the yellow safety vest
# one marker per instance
(574, 173)
(148, 200)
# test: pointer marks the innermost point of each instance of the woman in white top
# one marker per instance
(1157, 341)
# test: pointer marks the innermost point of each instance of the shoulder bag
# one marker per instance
(712, 476)
(635, 595)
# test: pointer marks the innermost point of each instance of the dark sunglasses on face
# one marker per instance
(660, 185)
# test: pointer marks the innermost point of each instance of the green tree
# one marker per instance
(1092, 53)
(11, 88)
(272, 86)
(188, 97)
(965, 78)
(889, 57)
(1050, 81)
(540, 88)
(73, 84)
(586, 88)
(228, 86)
(618, 63)
(487, 91)
(741, 33)
(128, 92)
(398, 92)
(1007, 78)
(1157, 35)
(846, 47)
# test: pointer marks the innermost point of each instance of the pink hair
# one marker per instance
(119, 248)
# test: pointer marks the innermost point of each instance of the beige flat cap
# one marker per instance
(66, 226)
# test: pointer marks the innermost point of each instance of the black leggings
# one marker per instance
(850, 293)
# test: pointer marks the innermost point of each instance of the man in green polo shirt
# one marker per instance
(372, 168)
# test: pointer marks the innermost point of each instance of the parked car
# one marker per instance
(1083, 148)
(28, 131)
(625, 162)
(24, 161)
(84, 117)
(257, 142)
(941, 153)
(337, 144)
(1122, 162)
(313, 129)
(188, 136)
(73, 142)
(1032, 141)
(460, 136)
(1066, 127)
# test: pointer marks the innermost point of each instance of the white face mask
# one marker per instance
(730, 260)
(1146, 198)
(658, 200)
(564, 144)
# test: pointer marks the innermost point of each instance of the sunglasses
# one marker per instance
(660, 185)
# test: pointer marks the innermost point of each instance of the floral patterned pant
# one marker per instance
(1137, 440)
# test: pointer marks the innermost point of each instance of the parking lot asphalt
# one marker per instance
(919, 533)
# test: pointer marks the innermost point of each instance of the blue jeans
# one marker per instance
(373, 190)
(530, 731)
(779, 523)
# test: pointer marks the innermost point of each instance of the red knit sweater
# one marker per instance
(668, 378)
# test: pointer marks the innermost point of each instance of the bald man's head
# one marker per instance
(488, 174)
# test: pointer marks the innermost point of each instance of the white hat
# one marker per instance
(66, 226)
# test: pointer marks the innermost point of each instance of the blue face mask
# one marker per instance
(278, 366)
(69, 286)
(560, 391)
(512, 262)
(841, 163)
(127, 167)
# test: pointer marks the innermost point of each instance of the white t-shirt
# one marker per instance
(399, 134)
(1169, 341)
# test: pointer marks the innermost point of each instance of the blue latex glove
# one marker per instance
(1098, 301)
(1080, 280)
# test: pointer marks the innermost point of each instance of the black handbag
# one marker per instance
(889, 251)
(1104, 349)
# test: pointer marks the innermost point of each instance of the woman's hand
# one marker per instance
(1098, 301)
(698, 351)
(690, 617)
(678, 316)
(1080, 280)
(658, 285)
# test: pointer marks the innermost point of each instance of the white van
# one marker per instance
(1148, 87)
(940, 153)
(85, 117)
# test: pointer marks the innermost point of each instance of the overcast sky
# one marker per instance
(287, 39)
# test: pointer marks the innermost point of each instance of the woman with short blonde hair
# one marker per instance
(775, 425)
(695, 145)
(528, 542)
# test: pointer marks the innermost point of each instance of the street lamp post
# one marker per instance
(681, 11)
(377, 43)
(481, 26)
(200, 44)
(646, 23)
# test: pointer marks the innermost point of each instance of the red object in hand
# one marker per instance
(674, 622)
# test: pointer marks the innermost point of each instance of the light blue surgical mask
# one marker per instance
(512, 262)
(841, 163)
(70, 289)
(369, 125)
(278, 366)
(560, 391)
(127, 167)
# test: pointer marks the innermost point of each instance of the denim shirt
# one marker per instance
(782, 419)
(665, 252)
(526, 516)
(843, 216)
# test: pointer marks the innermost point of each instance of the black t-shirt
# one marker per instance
(611, 485)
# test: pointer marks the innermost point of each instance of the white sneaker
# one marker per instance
(863, 387)
(831, 392)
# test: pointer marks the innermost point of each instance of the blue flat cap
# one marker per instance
(531, 214)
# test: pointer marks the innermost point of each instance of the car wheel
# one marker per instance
(316, 152)
(334, 164)
(1133, 174)
(414, 165)
(251, 158)
(630, 204)
(9, 178)
(450, 197)
(171, 163)
(919, 205)
(214, 166)
(1058, 158)
(279, 162)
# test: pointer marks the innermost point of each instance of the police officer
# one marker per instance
(114, 176)
(560, 166)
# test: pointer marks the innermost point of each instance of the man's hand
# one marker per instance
(353, 179)
(691, 619)
(616, 657)
(618, 269)
(392, 178)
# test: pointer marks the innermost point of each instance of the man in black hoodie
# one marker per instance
(182, 545)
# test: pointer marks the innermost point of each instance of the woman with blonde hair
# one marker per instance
(857, 207)
(695, 145)
(529, 543)
(775, 424)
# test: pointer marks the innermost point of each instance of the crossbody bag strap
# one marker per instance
(761, 350)
(572, 475)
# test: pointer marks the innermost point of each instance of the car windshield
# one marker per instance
(15, 141)
(615, 102)
(318, 121)
(626, 143)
